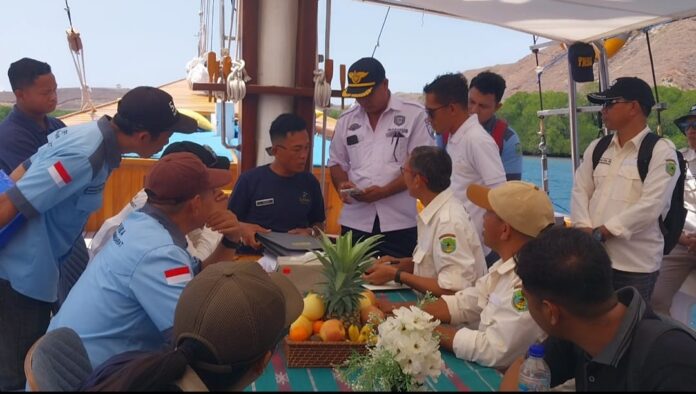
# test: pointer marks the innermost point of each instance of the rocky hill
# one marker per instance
(673, 54)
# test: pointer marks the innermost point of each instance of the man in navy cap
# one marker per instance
(56, 190)
(612, 202)
(371, 143)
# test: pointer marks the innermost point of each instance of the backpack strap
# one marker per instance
(645, 154)
(498, 133)
(599, 149)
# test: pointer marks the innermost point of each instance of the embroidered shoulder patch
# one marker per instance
(448, 243)
(671, 167)
(519, 303)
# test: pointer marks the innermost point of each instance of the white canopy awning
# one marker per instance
(561, 20)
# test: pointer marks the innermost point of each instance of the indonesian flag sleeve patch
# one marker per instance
(178, 275)
(59, 174)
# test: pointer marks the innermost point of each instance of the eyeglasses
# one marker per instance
(431, 111)
(610, 103)
(429, 128)
(688, 125)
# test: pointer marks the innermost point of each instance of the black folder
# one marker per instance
(284, 244)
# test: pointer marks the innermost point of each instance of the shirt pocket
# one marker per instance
(418, 255)
(356, 147)
(600, 174)
(628, 185)
(395, 147)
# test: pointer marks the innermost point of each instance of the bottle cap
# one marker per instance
(536, 350)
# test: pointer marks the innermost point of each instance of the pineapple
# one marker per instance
(344, 264)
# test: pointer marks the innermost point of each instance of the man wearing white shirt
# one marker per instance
(474, 153)
(371, 142)
(611, 202)
(448, 256)
(496, 326)
(679, 264)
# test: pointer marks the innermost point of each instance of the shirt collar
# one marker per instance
(503, 267)
(635, 308)
(490, 124)
(438, 202)
(635, 141)
(470, 123)
(111, 148)
(689, 154)
(177, 236)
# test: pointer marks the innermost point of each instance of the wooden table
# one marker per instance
(459, 375)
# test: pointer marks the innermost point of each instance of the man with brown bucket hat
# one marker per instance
(228, 322)
(126, 297)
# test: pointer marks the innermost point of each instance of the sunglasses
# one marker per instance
(431, 111)
(684, 126)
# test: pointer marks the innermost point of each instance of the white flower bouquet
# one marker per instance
(404, 358)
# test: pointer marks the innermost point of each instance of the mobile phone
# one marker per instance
(352, 191)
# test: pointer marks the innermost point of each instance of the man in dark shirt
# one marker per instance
(27, 127)
(281, 196)
(605, 340)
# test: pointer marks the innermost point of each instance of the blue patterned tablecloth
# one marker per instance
(458, 375)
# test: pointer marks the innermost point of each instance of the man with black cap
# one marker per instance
(370, 145)
(201, 242)
(681, 262)
(612, 202)
(126, 297)
(212, 352)
(56, 190)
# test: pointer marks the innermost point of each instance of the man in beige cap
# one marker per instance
(126, 297)
(213, 351)
(498, 327)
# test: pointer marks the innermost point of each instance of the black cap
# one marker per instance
(363, 76)
(581, 58)
(152, 109)
(682, 120)
(204, 152)
(627, 88)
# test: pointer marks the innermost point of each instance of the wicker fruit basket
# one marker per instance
(315, 354)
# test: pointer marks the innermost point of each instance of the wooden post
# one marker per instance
(250, 104)
(305, 63)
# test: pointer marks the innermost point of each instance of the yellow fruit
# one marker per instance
(303, 322)
(298, 333)
(332, 331)
(369, 294)
(353, 333)
(362, 339)
(313, 307)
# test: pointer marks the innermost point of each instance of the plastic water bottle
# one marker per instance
(534, 373)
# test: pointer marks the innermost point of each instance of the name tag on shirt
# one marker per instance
(352, 140)
(264, 202)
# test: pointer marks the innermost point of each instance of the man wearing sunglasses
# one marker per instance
(612, 202)
(474, 153)
(371, 142)
(677, 266)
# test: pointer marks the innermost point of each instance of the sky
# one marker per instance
(129, 43)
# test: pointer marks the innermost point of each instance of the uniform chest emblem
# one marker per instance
(305, 199)
(354, 126)
(519, 303)
(399, 120)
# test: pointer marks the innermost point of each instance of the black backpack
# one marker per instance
(673, 223)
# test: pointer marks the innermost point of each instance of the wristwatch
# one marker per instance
(598, 235)
(397, 276)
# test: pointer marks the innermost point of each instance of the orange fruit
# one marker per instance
(299, 334)
(316, 326)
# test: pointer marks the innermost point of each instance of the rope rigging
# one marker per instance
(541, 133)
(380, 31)
(77, 53)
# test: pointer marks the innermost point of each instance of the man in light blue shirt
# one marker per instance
(56, 190)
(126, 297)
